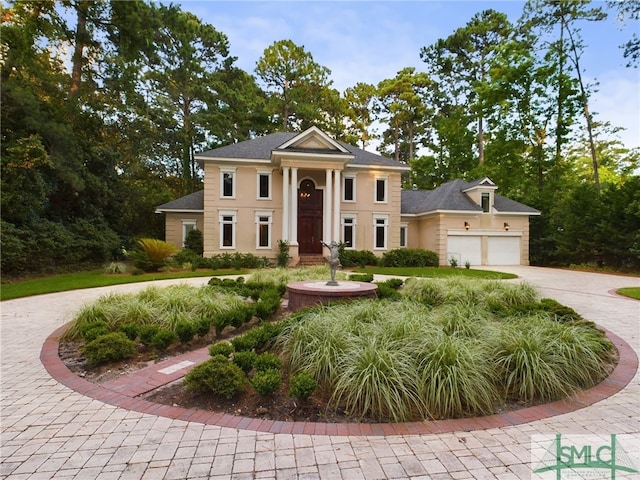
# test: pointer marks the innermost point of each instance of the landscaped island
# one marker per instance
(425, 349)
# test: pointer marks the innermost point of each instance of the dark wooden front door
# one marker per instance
(309, 218)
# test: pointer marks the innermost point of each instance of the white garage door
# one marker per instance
(503, 251)
(464, 249)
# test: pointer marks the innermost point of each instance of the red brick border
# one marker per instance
(619, 378)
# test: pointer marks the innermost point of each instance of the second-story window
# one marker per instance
(228, 184)
(381, 190)
(264, 185)
(349, 189)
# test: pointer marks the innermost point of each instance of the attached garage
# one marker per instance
(503, 250)
(465, 248)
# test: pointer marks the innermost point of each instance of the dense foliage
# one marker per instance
(104, 104)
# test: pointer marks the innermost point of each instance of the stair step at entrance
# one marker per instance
(311, 260)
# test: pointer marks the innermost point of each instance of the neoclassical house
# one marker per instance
(307, 188)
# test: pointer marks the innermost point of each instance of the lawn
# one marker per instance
(98, 278)
(631, 292)
(435, 272)
(94, 278)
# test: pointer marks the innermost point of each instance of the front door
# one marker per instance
(309, 218)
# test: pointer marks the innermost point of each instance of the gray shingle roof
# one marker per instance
(192, 202)
(451, 196)
(260, 149)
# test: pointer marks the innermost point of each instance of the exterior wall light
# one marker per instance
(506, 226)
(466, 225)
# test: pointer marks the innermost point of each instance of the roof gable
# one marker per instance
(313, 139)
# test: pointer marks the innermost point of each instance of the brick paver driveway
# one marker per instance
(50, 431)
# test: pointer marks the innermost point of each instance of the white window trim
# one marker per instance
(351, 176)
(349, 216)
(405, 227)
(187, 222)
(386, 189)
(234, 215)
(269, 215)
(490, 202)
(232, 171)
(385, 218)
(268, 173)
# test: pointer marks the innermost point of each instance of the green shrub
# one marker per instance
(163, 339)
(111, 347)
(282, 257)
(387, 292)
(218, 376)
(361, 277)
(244, 343)
(185, 331)
(221, 348)
(188, 256)
(561, 312)
(266, 382)
(194, 241)
(245, 360)
(302, 385)
(203, 327)
(130, 329)
(268, 304)
(357, 258)
(92, 330)
(146, 333)
(410, 257)
(267, 361)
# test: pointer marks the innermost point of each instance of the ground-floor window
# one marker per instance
(403, 235)
(228, 229)
(187, 226)
(263, 229)
(380, 224)
(349, 231)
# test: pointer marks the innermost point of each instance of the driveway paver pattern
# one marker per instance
(50, 431)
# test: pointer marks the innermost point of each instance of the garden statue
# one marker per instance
(334, 260)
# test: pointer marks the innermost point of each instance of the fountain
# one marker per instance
(303, 294)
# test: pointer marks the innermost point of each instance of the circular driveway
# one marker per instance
(49, 431)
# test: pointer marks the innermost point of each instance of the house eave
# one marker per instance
(177, 210)
(402, 168)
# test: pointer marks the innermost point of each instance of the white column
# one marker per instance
(336, 205)
(293, 232)
(327, 207)
(285, 203)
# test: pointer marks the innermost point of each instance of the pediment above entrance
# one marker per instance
(312, 149)
(313, 139)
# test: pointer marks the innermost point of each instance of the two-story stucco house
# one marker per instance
(306, 188)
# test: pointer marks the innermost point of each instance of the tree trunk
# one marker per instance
(587, 114)
(81, 40)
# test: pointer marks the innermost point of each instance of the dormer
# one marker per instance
(481, 192)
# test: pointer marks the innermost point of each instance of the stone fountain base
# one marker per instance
(305, 294)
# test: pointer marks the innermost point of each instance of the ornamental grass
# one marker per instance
(446, 350)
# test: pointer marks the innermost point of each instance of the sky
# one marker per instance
(369, 41)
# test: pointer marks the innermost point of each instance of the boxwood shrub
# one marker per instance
(410, 257)
(218, 375)
(111, 347)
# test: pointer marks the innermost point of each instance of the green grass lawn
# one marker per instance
(98, 278)
(94, 278)
(434, 272)
(631, 292)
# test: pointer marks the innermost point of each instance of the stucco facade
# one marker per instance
(307, 188)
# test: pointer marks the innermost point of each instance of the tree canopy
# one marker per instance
(105, 103)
